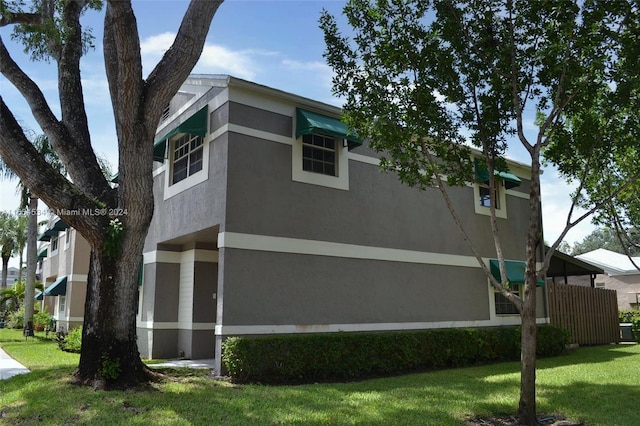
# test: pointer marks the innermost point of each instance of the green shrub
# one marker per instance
(635, 328)
(347, 356)
(628, 315)
(41, 319)
(72, 341)
(16, 319)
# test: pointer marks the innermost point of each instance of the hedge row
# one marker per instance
(312, 358)
(628, 315)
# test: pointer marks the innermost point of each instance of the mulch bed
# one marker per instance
(543, 419)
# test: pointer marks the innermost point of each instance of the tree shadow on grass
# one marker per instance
(435, 398)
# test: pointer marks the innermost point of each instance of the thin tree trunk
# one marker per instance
(21, 262)
(32, 260)
(527, 406)
(5, 271)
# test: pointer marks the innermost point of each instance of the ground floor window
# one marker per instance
(504, 306)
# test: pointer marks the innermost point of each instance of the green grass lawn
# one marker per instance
(597, 385)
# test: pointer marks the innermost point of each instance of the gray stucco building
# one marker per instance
(271, 219)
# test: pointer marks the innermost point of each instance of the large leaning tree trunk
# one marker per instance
(116, 234)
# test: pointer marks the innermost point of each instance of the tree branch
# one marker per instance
(76, 155)
(177, 62)
(36, 174)
(20, 18)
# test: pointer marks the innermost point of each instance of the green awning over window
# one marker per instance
(48, 234)
(58, 288)
(515, 271)
(482, 175)
(40, 295)
(194, 125)
(308, 123)
(43, 253)
(60, 225)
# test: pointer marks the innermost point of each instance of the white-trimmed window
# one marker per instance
(319, 154)
(482, 199)
(54, 244)
(62, 301)
(503, 305)
(67, 238)
(186, 156)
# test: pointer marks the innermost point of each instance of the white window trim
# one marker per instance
(67, 239)
(341, 181)
(62, 304)
(495, 291)
(57, 240)
(501, 212)
(171, 190)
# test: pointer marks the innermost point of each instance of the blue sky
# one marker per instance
(275, 43)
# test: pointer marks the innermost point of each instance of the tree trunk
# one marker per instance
(109, 356)
(5, 271)
(527, 406)
(20, 263)
(32, 260)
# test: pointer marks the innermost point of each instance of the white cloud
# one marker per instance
(215, 59)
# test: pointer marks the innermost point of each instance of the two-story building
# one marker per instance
(271, 217)
(64, 266)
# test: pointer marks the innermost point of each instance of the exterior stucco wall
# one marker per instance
(626, 286)
(290, 289)
(376, 211)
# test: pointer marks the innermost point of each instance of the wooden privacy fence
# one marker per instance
(590, 314)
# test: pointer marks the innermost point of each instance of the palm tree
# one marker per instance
(8, 223)
(21, 236)
(15, 295)
(29, 203)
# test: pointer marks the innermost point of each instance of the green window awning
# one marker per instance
(194, 125)
(59, 225)
(308, 123)
(43, 253)
(40, 295)
(482, 175)
(515, 271)
(58, 288)
(48, 234)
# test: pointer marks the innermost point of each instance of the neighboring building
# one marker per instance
(565, 269)
(12, 275)
(271, 218)
(620, 274)
(64, 266)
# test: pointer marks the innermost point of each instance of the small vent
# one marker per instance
(165, 113)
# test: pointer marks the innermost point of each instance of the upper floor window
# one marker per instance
(319, 154)
(485, 196)
(54, 244)
(186, 157)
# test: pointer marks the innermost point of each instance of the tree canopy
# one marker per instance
(440, 86)
(607, 239)
(52, 30)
